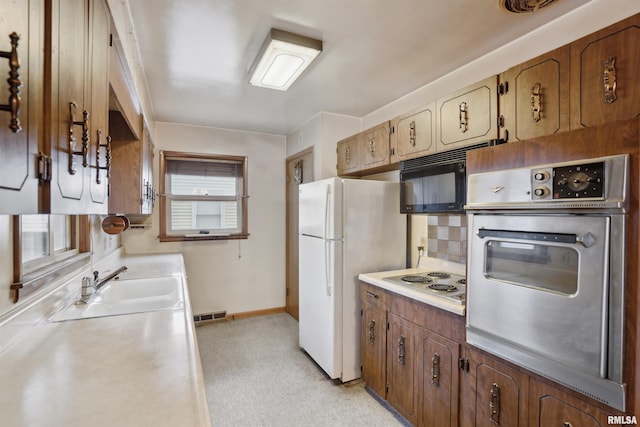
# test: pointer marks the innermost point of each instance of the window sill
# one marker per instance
(202, 237)
(37, 278)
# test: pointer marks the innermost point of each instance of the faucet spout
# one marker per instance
(100, 283)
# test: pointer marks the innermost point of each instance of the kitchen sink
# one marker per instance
(120, 297)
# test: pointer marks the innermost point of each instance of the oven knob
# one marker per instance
(541, 176)
(541, 192)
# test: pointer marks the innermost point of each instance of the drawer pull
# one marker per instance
(13, 106)
(609, 80)
(401, 350)
(494, 404)
(372, 295)
(412, 133)
(536, 102)
(84, 151)
(464, 123)
(372, 332)
(107, 166)
(435, 370)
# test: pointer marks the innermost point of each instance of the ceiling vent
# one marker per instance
(522, 6)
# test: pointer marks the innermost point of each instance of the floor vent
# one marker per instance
(217, 316)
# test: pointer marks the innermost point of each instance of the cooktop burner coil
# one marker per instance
(439, 274)
(443, 287)
(416, 279)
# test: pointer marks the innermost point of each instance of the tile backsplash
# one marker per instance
(447, 237)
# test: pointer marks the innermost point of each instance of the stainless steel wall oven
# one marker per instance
(546, 271)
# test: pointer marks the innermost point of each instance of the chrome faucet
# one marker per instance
(89, 288)
(98, 283)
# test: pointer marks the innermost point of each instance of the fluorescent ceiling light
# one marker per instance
(282, 58)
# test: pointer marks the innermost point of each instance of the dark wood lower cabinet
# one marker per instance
(415, 356)
(407, 360)
(550, 406)
(499, 393)
(402, 355)
(440, 380)
(373, 347)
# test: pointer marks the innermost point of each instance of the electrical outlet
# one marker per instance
(420, 250)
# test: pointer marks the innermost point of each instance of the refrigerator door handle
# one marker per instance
(327, 273)
(326, 211)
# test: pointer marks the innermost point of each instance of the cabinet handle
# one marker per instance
(536, 102)
(372, 332)
(494, 404)
(347, 155)
(372, 147)
(412, 133)
(84, 152)
(401, 350)
(13, 106)
(372, 295)
(609, 80)
(107, 166)
(464, 124)
(435, 370)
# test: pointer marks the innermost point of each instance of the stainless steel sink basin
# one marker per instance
(127, 297)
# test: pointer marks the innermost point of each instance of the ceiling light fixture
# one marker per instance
(282, 58)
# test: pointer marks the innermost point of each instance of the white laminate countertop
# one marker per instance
(138, 369)
(377, 279)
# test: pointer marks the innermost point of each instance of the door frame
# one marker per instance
(293, 216)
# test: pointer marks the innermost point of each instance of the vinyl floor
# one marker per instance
(256, 375)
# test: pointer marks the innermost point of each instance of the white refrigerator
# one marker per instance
(346, 227)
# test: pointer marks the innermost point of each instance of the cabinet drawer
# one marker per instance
(373, 295)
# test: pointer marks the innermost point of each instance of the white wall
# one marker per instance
(322, 132)
(234, 275)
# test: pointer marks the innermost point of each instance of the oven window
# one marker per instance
(545, 267)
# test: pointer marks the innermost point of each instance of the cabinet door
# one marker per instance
(402, 340)
(373, 348)
(604, 75)
(126, 172)
(550, 407)
(375, 146)
(414, 134)
(69, 132)
(534, 97)
(99, 54)
(468, 116)
(19, 129)
(440, 381)
(349, 155)
(501, 392)
(148, 192)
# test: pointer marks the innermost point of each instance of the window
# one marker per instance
(203, 197)
(47, 239)
(46, 247)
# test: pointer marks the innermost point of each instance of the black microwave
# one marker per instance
(436, 183)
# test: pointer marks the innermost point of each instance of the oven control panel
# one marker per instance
(596, 183)
(576, 181)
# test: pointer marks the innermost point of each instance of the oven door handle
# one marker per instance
(586, 240)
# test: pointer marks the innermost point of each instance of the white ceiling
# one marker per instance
(196, 53)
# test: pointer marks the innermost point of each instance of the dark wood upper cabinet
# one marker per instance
(534, 97)
(21, 116)
(604, 75)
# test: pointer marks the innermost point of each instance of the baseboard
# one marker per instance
(236, 316)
